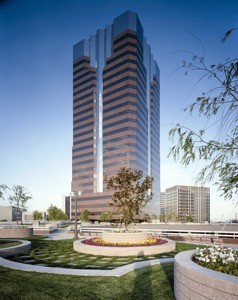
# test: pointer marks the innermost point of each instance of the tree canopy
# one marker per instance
(84, 215)
(37, 215)
(19, 198)
(54, 213)
(3, 188)
(219, 104)
(131, 193)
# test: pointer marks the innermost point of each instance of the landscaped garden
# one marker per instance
(61, 254)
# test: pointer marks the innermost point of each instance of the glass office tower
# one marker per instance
(116, 112)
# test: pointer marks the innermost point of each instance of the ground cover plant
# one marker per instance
(154, 283)
(5, 243)
(61, 254)
(218, 258)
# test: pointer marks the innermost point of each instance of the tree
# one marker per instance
(219, 105)
(131, 194)
(19, 198)
(162, 217)
(3, 188)
(54, 213)
(84, 216)
(104, 216)
(190, 217)
(37, 215)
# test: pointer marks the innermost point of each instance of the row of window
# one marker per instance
(89, 161)
(84, 60)
(83, 75)
(80, 70)
(83, 155)
(130, 44)
(128, 86)
(123, 63)
(84, 96)
(82, 148)
(83, 119)
(83, 126)
(83, 111)
(115, 123)
(123, 129)
(85, 89)
(83, 133)
(92, 78)
(128, 35)
(88, 102)
(84, 140)
(125, 70)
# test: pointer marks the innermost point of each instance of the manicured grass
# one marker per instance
(151, 283)
(5, 243)
(61, 254)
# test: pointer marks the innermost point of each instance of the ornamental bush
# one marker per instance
(218, 258)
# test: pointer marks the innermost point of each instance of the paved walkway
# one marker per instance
(117, 272)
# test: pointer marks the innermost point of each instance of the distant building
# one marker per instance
(66, 205)
(28, 215)
(9, 213)
(188, 203)
(162, 203)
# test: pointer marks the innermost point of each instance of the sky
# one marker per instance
(36, 47)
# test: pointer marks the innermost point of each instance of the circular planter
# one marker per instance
(192, 281)
(79, 246)
(123, 237)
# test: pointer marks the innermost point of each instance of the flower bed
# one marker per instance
(192, 281)
(217, 258)
(86, 246)
(100, 242)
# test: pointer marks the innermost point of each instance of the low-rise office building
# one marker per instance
(188, 203)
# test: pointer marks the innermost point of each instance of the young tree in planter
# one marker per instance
(19, 198)
(131, 193)
(84, 216)
(37, 215)
(54, 213)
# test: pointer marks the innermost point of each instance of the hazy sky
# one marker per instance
(36, 41)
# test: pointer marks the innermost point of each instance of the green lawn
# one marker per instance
(5, 244)
(150, 283)
(61, 254)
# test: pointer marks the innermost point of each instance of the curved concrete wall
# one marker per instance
(16, 232)
(192, 281)
(124, 251)
(6, 252)
(123, 237)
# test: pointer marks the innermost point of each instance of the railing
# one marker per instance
(183, 233)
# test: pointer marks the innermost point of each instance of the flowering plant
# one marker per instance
(218, 258)
(100, 242)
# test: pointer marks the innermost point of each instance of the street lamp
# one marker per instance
(76, 221)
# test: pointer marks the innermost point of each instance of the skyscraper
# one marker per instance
(116, 112)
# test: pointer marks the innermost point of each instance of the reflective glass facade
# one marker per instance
(116, 111)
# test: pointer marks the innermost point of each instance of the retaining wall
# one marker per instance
(16, 232)
(10, 251)
(194, 282)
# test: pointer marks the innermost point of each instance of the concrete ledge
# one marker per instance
(123, 237)
(10, 251)
(16, 232)
(192, 281)
(124, 251)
